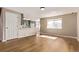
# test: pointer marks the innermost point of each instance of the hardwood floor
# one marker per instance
(40, 44)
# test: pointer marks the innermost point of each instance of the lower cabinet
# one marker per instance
(26, 32)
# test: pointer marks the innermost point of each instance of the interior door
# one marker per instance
(11, 25)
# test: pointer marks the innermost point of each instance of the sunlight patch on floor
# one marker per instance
(49, 37)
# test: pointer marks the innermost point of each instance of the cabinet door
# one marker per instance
(11, 25)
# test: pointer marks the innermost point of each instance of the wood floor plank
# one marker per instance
(40, 44)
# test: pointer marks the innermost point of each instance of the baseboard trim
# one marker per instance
(26, 36)
(62, 36)
(16, 38)
(67, 36)
(3, 40)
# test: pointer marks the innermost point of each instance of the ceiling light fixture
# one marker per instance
(42, 8)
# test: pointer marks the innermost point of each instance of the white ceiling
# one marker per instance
(35, 12)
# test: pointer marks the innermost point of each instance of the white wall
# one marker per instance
(69, 25)
(24, 32)
(21, 32)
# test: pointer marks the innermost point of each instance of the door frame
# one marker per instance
(4, 10)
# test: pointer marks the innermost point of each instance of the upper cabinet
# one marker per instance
(27, 23)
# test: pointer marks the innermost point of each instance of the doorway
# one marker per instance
(11, 25)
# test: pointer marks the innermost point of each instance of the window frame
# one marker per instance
(54, 21)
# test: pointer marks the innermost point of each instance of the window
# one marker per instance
(54, 24)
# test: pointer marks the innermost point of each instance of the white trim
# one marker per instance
(4, 40)
(62, 36)
(78, 40)
(67, 36)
